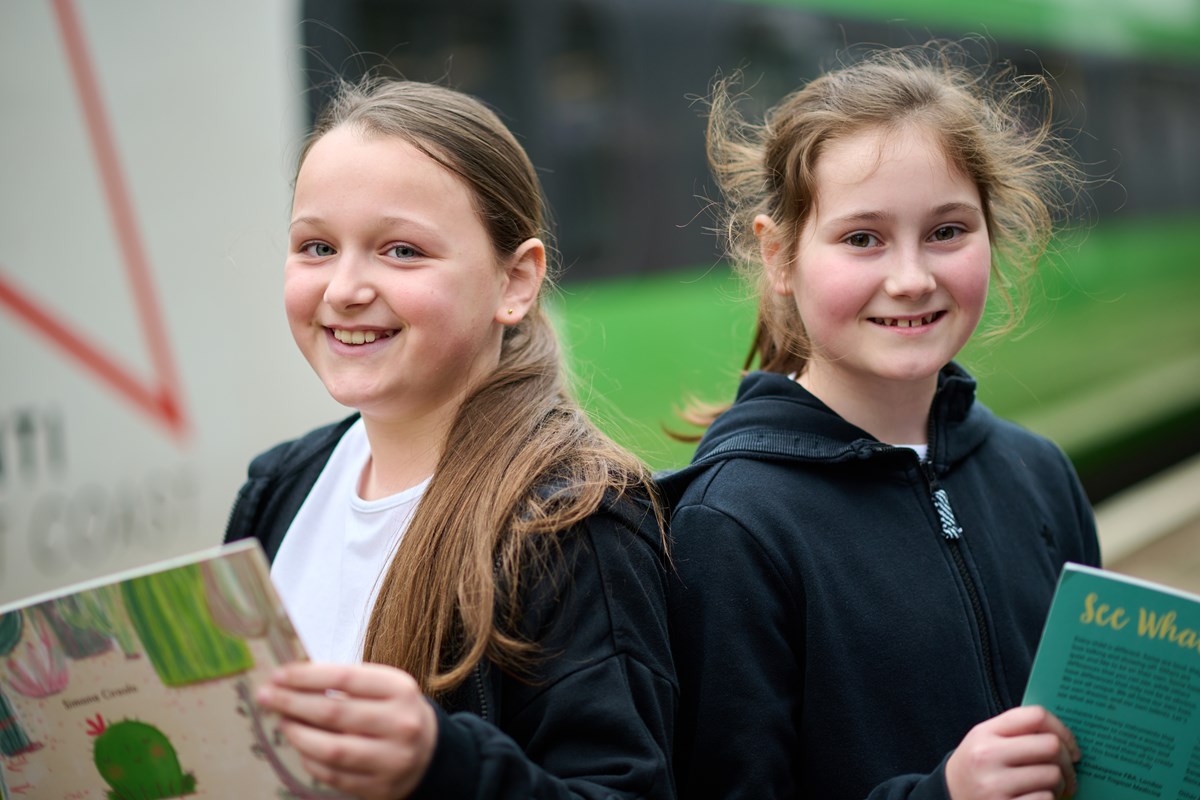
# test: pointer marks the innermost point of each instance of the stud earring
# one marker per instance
(510, 312)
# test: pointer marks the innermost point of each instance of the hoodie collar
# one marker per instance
(773, 416)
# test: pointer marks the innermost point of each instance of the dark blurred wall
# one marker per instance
(603, 93)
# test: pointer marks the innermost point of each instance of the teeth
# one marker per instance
(359, 337)
(904, 323)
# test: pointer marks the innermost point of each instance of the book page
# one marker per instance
(1119, 663)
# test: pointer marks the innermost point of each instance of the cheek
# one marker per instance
(971, 284)
(300, 297)
(831, 297)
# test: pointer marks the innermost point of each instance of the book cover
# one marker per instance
(141, 685)
(1119, 663)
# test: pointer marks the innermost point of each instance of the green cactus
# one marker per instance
(13, 739)
(77, 643)
(12, 625)
(100, 610)
(139, 763)
(169, 613)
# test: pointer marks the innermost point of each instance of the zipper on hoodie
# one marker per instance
(477, 675)
(952, 533)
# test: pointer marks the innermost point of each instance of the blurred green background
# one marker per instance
(1107, 357)
(605, 95)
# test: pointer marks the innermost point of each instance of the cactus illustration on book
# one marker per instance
(32, 655)
(13, 739)
(138, 761)
(12, 625)
(77, 643)
(178, 634)
(101, 610)
(180, 721)
(240, 604)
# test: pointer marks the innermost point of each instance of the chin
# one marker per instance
(916, 373)
(350, 396)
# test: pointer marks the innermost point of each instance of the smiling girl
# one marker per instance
(865, 553)
(475, 570)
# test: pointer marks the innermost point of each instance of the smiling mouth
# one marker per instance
(918, 322)
(361, 337)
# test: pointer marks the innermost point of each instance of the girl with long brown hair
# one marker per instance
(476, 571)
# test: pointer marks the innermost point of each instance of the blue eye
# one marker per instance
(403, 251)
(317, 249)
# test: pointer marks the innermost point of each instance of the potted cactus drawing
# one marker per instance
(241, 605)
(13, 739)
(35, 664)
(77, 643)
(102, 611)
(171, 617)
(138, 761)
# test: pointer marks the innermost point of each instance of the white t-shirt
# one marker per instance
(921, 450)
(330, 563)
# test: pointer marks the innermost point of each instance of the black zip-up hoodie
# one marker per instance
(594, 719)
(844, 614)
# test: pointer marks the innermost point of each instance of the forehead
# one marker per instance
(860, 156)
(349, 162)
(888, 170)
(350, 151)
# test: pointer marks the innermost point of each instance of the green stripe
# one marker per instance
(1167, 29)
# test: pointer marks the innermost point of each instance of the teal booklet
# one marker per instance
(1119, 663)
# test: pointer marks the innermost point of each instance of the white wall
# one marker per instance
(204, 107)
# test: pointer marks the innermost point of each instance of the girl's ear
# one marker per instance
(522, 281)
(773, 253)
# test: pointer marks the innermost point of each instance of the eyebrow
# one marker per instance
(384, 221)
(883, 216)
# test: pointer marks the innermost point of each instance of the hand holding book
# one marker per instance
(1119, 663)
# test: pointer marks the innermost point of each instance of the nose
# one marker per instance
(349, 283)
(911, 275)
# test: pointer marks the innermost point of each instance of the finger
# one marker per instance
(320, 710)
(1056, 726)
(343, 714)
(1035, 748)
(1019, 781)
(343, 752)
(328, 752)
(1031, 719)
(1045, 720)
(364, 767)
(353, 783)
(360, 680)
(403, 720)
(1070, 781)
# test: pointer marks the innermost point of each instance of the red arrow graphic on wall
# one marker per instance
(160, 399)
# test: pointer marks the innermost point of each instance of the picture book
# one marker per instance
(1119, 663)
(141, 685)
